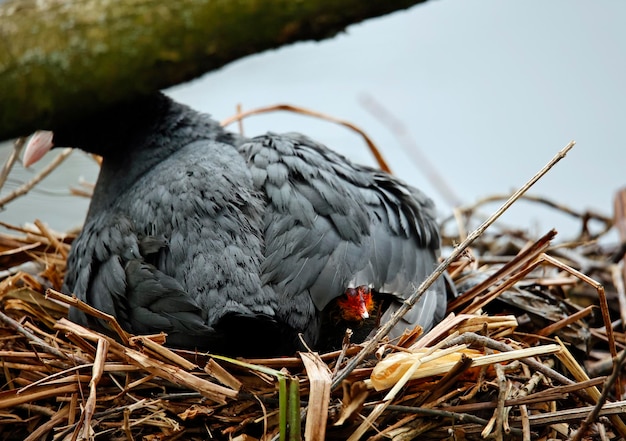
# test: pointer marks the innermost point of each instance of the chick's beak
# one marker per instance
(363, 307)
(38, 145)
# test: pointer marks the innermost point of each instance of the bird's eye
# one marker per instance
(352, 292)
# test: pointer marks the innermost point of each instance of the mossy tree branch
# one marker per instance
(63, 58)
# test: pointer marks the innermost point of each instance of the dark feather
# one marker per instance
(226, 243)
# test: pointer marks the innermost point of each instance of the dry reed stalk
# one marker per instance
(24, 189)
(11, 160)
(301, 110)
(319, 396)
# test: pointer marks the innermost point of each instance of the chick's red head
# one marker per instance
(356, 304)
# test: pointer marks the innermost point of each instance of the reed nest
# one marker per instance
(523, 354)
(532, 348)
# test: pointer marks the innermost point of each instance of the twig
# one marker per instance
(55, 421)
(88, 309)
(523, 410)
(430, 354)
(20, 191)
(38, 341)
(571, 364)
(56, 243)
(542, 419)
(398, 128)
(618, 270)
(554, 327)
(408, 304)
(470, 338)
(54, 376)
(455, 416)
(240, 121)
(344, 349)
(608, 385)
(126, 425)
(518, 268)
(468, 210)
(97, 370)
(497, 420)
(541, 200)
(289, 108)
(551, 394)
(604, 307)
(448, 380)
(11, 160)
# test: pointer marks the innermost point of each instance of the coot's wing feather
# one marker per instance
(111, 270)
(330, 224)
(315, 224)
(201, 199)
(405, 244)
(95, 269)
(178, 250)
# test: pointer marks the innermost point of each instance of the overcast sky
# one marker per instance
(488, 90)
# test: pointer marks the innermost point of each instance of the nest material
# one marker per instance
(527, 352)
(516, 359)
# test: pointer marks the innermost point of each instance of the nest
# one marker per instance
(527, 351)
(524, 354)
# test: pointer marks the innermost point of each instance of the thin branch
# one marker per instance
(608, 385)
(421, 161)
(11, 160)
(38, 341)
(21, 191)
(301, 110)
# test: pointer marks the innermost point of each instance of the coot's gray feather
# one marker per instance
(331, 224)
(198, 233)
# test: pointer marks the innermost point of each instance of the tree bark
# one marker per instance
(60, 59)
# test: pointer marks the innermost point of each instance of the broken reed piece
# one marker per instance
(88, 309)
(388, 371)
